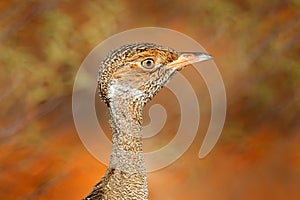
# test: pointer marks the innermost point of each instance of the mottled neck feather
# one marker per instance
(126, 119)
(126, 176)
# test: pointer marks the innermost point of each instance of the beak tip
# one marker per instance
(186, 58)
(205, 57)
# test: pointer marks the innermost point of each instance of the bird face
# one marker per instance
(140, 70)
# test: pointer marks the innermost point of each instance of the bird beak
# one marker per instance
(186, 58)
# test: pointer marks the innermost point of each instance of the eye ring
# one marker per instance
(148, 63)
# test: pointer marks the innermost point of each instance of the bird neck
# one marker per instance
(126, 176)
(126, 119)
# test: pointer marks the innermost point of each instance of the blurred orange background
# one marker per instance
(256, 45)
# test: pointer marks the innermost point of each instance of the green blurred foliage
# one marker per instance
(43, 46)
(255, 44)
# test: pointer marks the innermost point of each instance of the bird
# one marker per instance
(129, 77)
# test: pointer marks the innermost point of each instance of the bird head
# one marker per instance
(140, 70)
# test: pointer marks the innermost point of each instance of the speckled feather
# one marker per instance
(125, 86)
(119, 57)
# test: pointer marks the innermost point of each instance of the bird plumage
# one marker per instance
(129, 77)
(127, 59)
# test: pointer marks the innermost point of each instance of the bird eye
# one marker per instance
(148, 63)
